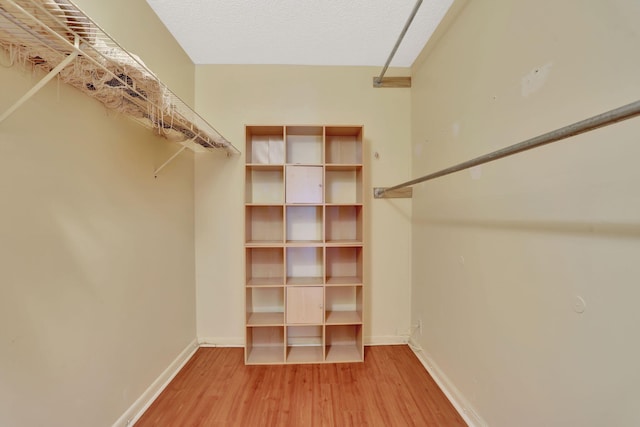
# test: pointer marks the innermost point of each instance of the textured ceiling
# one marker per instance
(302, 32)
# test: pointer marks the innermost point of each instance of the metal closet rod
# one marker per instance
(604, 119)
(378, 79)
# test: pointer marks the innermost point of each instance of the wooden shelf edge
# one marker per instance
(259, 319)
(277, 282)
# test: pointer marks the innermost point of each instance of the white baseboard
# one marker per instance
(141, 404)
(221, 342)
(457, 399)
(385, 340)
(239, 342)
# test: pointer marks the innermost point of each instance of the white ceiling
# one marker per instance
(301, 32)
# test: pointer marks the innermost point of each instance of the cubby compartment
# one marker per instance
(264, 185)
(343, 185)
(265, 145)
(343, 343)
(304, 145)
(264, 266)
(265, 345)
(265, 306)
(304, 184)
(264, 225)
(343, 224)
(304, 265)
(343, 305)
(343, 145)
(305, 344)
(344, 265)
(304, 224)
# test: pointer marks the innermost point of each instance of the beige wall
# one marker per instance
(501, 253)
(97, 288)
(239, 95)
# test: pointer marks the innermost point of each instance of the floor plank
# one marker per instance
(215, 388)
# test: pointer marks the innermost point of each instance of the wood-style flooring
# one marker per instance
(215, 388)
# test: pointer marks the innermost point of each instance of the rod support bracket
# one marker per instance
(400, 193)
(392, 82)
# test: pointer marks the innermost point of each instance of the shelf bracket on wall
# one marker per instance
(169, 160)
(50, 75)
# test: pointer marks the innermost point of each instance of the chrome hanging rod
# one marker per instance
(378, 80)
(604, 119)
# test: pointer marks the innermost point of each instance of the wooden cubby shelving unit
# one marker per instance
(304, 244)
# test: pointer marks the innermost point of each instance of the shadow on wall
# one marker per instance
(594, 229)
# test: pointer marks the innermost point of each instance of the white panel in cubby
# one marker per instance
(305, 304)
(267, 149)
(304, 184)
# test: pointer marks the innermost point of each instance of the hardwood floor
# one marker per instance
(215, 388)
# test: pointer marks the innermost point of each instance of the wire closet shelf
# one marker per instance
(57, 37)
